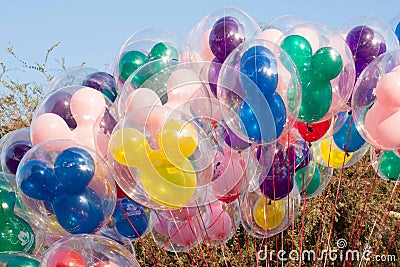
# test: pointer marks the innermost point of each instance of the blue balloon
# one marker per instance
(130, 218)
(39, 181)
(80, 213)
(278, 109)
(250, 122)
(397, 31)
(347, 137)
(75, 168)
(259, 65)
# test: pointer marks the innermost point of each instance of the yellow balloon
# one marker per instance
(267, 213)
(129, 147)
(332, 155)
(178, 139)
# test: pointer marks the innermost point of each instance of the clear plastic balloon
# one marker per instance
(273, 30)
(15, 144)
(176, 86)
(16, 231)
(326, 69)
(144, 46)
(88, 250)
(65, 188)
(262, 217)
(162, 157)
(386, 164)
(258, 87)
(368, 37)
(220, 221)
(376, 101)
(14, 259)
(395, 25)
(78, 113)
(176, 234)
(219, 33)
(114, 235)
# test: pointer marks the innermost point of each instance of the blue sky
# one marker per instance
(93, 31)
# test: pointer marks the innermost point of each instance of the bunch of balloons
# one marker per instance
(186, 139)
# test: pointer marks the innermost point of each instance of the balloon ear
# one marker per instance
(8, 198)
(49, 126)
(87, 104)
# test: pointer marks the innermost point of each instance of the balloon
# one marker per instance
(129, 62)
(17, 260)
(14, 154)
(167, 175)
(66, 258)
(299, 50)
(217, 223)
(279, 180)
(184, 233)
(312, 132)
(397, 31)
(225, 36)
(326, 63)
(15, 233)
(75, 168)
(130, 218)
(258, 63)
(103, 82)
(232, 140)
(163, 51)
(332, 156)
(213, 74)
(59, 103)
(140, 98)
(105, 264)
(347, 137)
(267, 213)
(389, 165)
(308, 181)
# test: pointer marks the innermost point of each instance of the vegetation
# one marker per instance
(356, 206)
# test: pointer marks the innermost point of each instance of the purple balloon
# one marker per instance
(58, 103)
(225, 36)
(300, 153)
(361, 42)
(103, 82)
(108, 123)
(14, 153)
(232, 140)
(279, 181)
(213, 73)
(361, 64)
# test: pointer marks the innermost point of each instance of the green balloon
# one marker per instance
(15, 233)
(313, 183)
(299, 50)
(163, 51)
(389, 165)
(326, 64)
(316, 101)
(16, 260)
(129, 62)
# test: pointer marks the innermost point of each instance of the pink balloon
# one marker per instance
(218, 223)
(205, 46)
(182, 85)
(49, 126)
(272, 35)
(87, 105)
(184, 233)
(140, 98)
(388, 89)
(160, 225)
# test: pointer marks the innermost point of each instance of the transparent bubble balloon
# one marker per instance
(219, 33)
(174, 85)
(220, 221)
(329, 155)
(368, 37)
(162, 157)
(144, 46)
(66, 188)
(258, 87)
(78, 113)
(88, 250)
(395, 25)
(262, 217)
(18, 259)
(375, 102)
(386, 164)
(114, 235)
(176, 234)
(273, 30)
(15, 144)
(326, 69)
(18, 234)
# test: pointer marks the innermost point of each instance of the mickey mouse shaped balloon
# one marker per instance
(72, 187)
(15, 233)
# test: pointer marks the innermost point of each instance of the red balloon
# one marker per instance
(105, 264)
(66, 258)
(312, 132)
